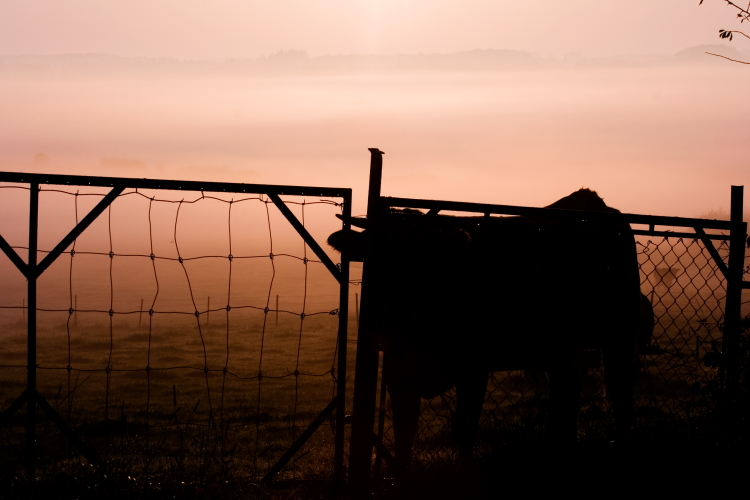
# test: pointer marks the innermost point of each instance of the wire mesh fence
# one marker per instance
(187, 331)
(687, 290)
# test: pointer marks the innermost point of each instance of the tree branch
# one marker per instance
(744, 13)
(725, 57)
(741, 33)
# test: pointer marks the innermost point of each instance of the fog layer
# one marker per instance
(651, 136)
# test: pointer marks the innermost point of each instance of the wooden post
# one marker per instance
(381, 417)
(366, 369)
(733, 308)
(356, 307)
(140, 314)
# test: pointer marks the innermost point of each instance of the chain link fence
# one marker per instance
(687, 290)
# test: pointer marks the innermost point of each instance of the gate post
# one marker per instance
(733, 307)
(366, 368)
(31, 335)
(338, 460)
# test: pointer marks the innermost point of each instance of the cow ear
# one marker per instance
(354, 221)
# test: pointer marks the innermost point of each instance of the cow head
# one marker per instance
(349, 241)
(407, 233)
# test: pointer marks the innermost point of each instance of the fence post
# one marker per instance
(381, 418)
(341, 369)
(733, 309)
(366, 369)
(140, 314)
(31, 336)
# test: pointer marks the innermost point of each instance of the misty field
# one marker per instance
(178, 422)
(177, 415)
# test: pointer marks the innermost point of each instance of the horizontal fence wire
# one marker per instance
(149, 418)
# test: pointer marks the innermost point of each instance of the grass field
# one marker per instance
(177, 421)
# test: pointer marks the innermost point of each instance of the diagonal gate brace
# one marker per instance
(14, 407)
(87, 452)
(712, 250)
(65, 242)
(31, 270)
(80, 228)
(306, 236)
(301, 440)
(14, 258)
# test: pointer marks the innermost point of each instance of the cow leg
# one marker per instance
(406, 405)
(564, 402)
(471, 389)
(619, 377)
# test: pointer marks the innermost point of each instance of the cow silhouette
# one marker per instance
(460, 297)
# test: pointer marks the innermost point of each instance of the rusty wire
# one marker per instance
(210, 424)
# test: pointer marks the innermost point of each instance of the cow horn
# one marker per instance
(354, 221)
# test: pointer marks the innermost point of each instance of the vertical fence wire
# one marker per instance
(228, 307)
(108, 370)
(263, 336)
(71, 311)
(197, 320)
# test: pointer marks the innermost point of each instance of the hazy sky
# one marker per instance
(251, 28)
(658, 138)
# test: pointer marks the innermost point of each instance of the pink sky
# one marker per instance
(661, 139)
(241, 28)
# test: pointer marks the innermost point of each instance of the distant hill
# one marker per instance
(698, 54)
(291, 62)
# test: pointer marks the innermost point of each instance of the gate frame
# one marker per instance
(33, 269)
(363, 438)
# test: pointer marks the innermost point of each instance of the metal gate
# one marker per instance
(122, 425)
(692, 273)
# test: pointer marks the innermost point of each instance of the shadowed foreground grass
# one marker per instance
(664, 462)
(174, 431)
(190, 451)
